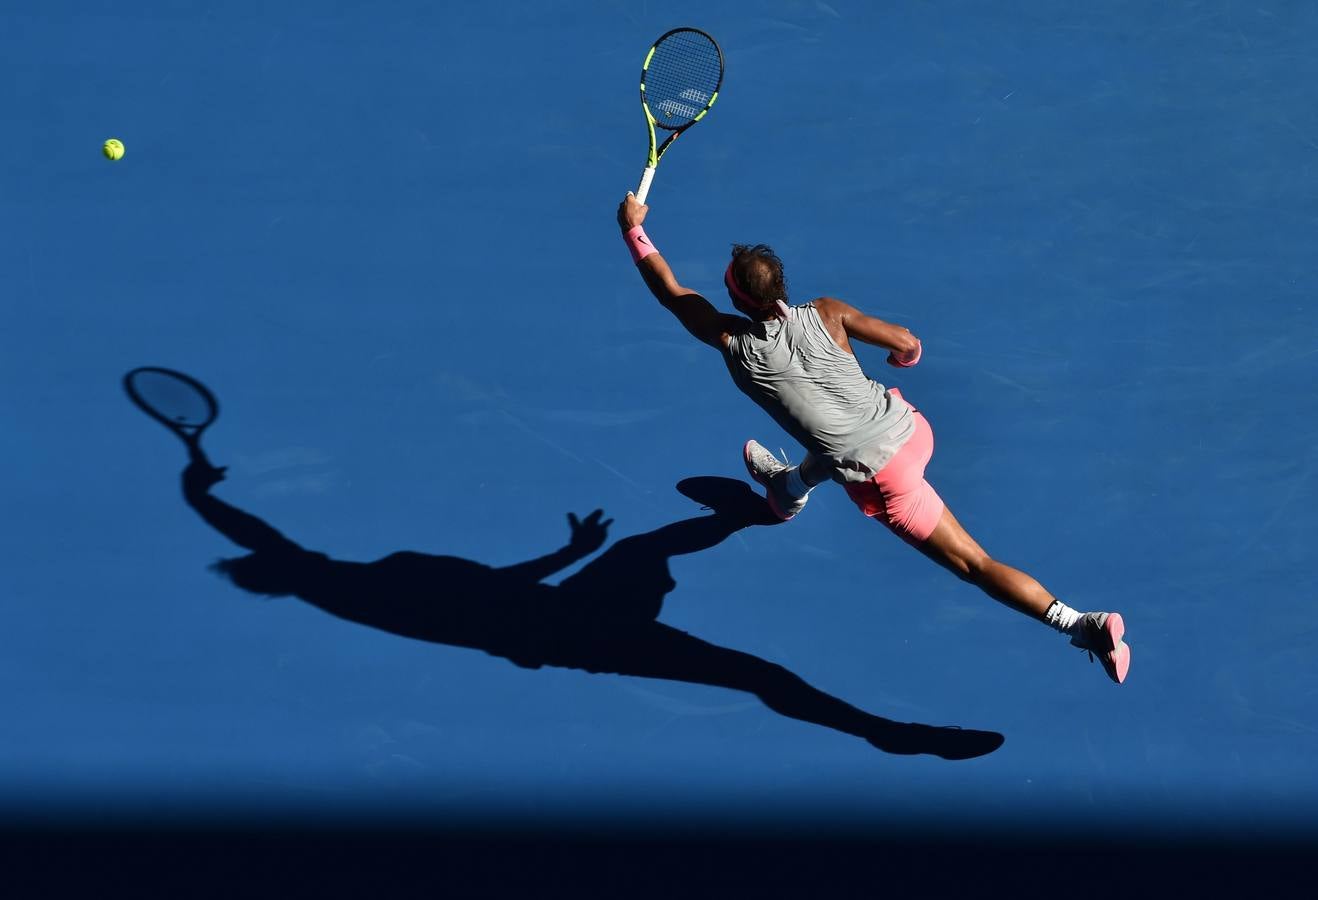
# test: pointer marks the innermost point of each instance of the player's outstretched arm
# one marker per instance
(844, 319)
(697, 315)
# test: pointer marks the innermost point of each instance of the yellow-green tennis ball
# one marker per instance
(113, 149)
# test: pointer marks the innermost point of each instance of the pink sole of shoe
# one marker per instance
(1117, 660)
(1115, 626)
(1117, 663)
(768, 494)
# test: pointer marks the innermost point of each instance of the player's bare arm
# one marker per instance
(697, 315)
(845, 323)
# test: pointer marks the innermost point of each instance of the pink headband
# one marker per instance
(747, 299)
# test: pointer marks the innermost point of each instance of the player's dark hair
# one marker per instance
(759, 272)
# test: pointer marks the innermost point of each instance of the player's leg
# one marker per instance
(901, 498)
(952, 547)
(1100, 633)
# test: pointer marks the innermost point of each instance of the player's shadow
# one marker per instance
(600, 619)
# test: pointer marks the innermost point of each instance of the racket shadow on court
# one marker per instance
(601, 619)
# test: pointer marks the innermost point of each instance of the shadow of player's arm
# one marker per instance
(588, 535)
(244, 529)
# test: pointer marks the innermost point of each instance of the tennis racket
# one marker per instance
(179, 402)
(680, 80)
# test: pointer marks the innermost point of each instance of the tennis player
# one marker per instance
(797, 363)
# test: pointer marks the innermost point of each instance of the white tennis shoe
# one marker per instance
(765, 468)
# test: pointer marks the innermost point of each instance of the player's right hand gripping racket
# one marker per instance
(179, 402)
(680, 80)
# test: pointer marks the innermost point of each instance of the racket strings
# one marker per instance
(682, 78)
(172, 399)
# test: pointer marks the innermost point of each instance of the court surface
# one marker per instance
(386, 240)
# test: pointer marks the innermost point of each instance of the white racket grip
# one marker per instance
(644, 190)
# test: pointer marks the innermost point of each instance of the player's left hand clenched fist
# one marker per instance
(907, 359)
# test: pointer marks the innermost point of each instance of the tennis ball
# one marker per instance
(113, 149)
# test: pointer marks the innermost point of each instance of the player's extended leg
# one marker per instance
(952, 547)
(901, 498)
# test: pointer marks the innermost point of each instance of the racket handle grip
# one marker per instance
(644, 190)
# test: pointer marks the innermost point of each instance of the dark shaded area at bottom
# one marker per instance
(292, 859)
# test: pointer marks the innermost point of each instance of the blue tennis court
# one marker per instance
(384, 237)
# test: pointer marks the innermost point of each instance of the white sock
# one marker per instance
(795, 484)
(1061, 617)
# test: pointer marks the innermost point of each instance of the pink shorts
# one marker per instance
(898, 496)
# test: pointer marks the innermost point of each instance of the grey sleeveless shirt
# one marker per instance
(818, 393)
